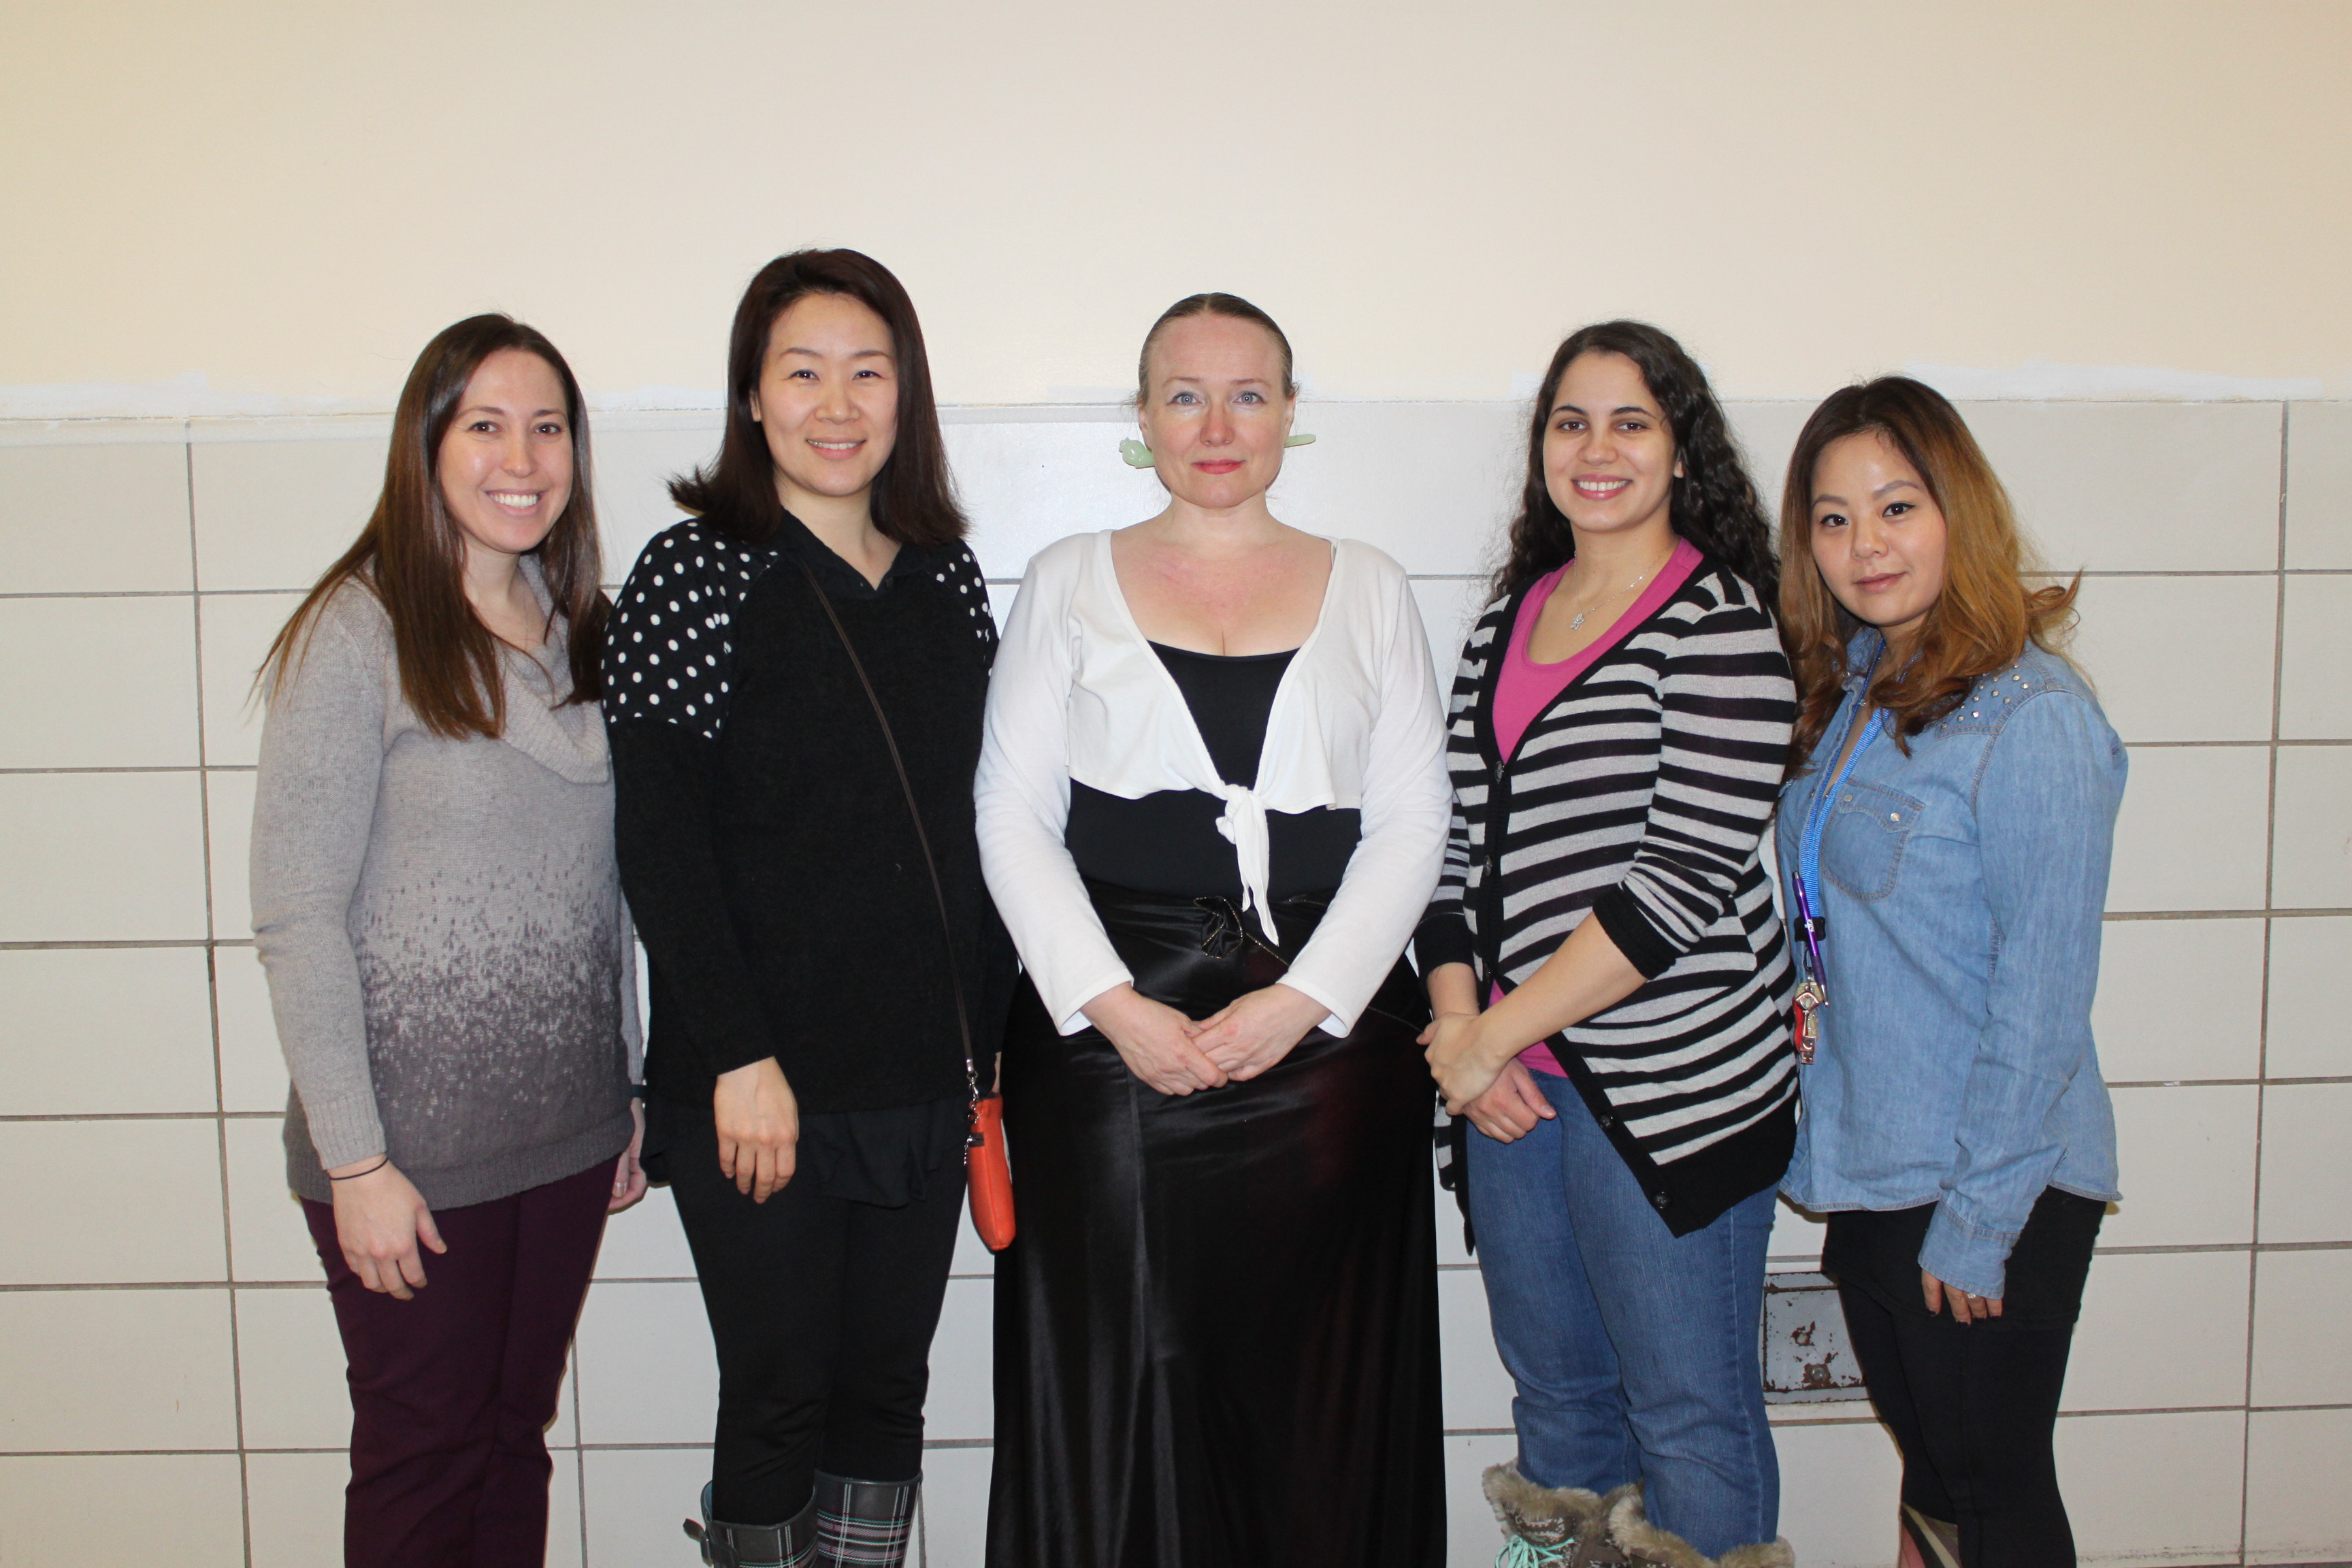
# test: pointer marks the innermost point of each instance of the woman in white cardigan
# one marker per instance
(1213, 803)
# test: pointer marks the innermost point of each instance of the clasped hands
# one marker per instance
(1480, 1081)
(1176, 1055)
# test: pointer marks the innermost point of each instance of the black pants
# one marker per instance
(822, 1311)
(1973, 1407)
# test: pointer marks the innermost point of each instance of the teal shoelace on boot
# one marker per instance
(1518, 1552)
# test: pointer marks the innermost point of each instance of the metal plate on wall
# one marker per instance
(1807, 1359)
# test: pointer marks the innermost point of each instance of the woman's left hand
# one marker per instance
(628, 1175)
(1257, 1029)
(1966, 1308)
(1456, 1059)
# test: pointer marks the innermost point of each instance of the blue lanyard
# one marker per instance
(1809, 847)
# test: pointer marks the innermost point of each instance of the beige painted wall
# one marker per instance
(287, 199)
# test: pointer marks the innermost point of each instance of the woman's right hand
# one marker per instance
(759, 1128)
(1509, 1111)
(1155, 1041)
(380, 1216)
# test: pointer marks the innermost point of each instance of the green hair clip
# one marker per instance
(1138, 456)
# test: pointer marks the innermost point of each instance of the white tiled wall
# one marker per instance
(168, 1357)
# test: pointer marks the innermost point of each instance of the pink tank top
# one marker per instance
(1525, 689)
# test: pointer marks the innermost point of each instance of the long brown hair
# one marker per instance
(1985, 614)
(1714, 504)
(412, 554)
(913, 499)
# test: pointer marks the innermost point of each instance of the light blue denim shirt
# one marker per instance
(1963, 886)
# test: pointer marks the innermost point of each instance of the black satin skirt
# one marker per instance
(1216, 1332)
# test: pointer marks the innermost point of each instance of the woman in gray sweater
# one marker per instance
(435, 900)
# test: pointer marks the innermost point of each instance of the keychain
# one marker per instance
(1812, 995)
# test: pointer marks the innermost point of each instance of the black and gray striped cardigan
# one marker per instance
(1640, 796)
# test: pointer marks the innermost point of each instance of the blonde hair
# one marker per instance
(1987, 613)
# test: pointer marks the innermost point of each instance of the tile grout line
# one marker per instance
(579, 1458)
(2262, 1005)
(1434, 577)
(212, 998)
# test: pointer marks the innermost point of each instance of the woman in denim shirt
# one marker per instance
(1947, 828)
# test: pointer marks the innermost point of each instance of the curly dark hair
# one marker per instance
(1714, 504)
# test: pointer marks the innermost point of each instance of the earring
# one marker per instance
(1136, 454)
(1298, 441)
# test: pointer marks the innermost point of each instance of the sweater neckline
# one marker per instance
(536, 686)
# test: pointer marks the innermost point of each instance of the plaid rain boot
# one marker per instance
(792, 1544)
(863, 1524)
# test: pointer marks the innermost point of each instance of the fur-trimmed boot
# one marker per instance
(1550, 1527)
(1646, 1546)
(1925, 1542)
(792, 1544)
(863, 1524)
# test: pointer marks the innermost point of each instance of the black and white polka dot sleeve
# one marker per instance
(960, 573)
(669, 654)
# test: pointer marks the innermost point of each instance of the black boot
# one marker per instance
(863, 1524)
(792, 1544)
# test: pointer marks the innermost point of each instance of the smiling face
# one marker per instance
(1608, 454)
(1878, 535)
(827, 400)
(1214, 413)
(505, 463)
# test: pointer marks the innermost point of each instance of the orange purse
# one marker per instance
(991, 1176)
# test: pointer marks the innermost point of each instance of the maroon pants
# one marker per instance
(452, 1391)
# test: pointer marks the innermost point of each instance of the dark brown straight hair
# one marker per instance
(1714, 505)
(1231, 306)
(412, 554)
(1985, 614)
(914, 499)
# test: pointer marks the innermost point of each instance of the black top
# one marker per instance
(764, 841)
(1168, 841)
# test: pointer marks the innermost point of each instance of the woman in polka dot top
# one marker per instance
(806, 1076)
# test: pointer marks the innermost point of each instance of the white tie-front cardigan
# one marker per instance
(1079, 694)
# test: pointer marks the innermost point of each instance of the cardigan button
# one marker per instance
(1659, 1201)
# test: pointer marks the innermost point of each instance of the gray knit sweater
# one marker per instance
(449, 960)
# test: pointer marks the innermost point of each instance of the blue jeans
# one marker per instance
(1635, 1351)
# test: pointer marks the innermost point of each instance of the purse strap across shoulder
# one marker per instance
(914, 811)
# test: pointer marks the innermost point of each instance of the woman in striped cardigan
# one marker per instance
(1616, 740)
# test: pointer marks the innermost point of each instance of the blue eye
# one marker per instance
(1253, 397)
(1184, 397)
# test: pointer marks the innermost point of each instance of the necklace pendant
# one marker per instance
(1578, 622)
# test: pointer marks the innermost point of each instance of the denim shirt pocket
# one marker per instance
(1863, 843)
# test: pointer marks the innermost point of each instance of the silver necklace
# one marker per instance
(1577, 623)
